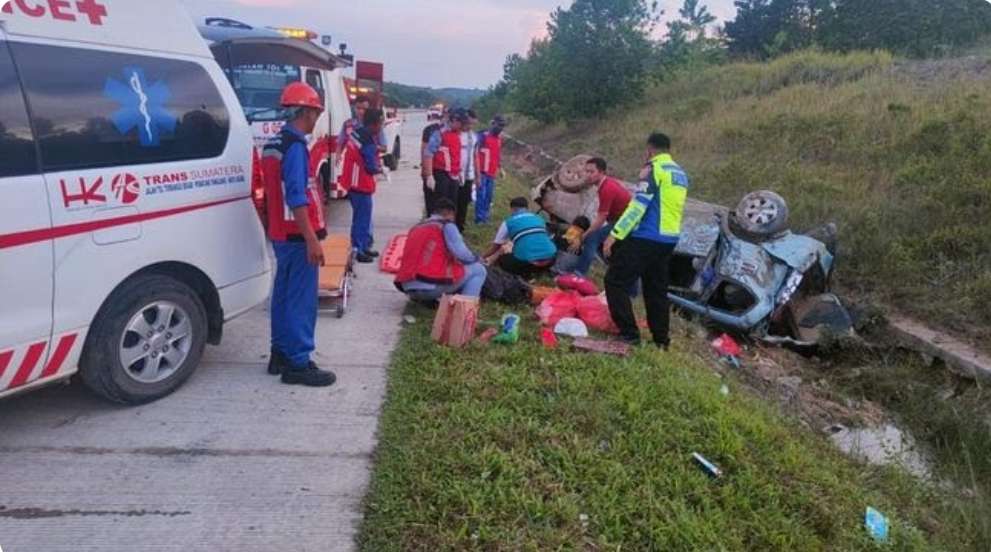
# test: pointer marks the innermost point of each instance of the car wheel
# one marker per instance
(146, 341)
(762, 214)
(570, 177)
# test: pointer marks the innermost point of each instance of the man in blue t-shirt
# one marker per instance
(526, 233)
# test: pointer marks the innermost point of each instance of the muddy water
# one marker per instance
(882, 445)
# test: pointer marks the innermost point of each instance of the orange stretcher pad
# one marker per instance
(392, 257)
(335, 274)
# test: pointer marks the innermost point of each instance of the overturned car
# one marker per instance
(742, 269)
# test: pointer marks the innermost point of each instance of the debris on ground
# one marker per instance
(539, 293)
(488, 335)
(409, 319)
(615, 348)
(509, 330)
(594, 311)
(876, 524)
(456, 321)
(572, 282)
(571, 327)
(707, 466)
(558, 305)
(548, 338)
(728, 349)
(725, 345)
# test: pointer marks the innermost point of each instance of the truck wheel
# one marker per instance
(146, 341)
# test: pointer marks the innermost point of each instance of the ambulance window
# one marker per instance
(100, 109)
(314, 79)
(17, 152)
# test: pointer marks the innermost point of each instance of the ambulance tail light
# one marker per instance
(258, 185)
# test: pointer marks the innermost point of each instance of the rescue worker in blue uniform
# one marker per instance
(642, 242)
(361, 167)
(296, 226)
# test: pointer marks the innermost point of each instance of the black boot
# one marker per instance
(277, 363)
(311, 376)
(364, 258)
(372, 253)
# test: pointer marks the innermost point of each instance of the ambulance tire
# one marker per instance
(101, 368)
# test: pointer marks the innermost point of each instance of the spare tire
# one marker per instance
(762, 214)
(570, 177)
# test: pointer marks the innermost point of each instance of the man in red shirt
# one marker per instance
(613, 200)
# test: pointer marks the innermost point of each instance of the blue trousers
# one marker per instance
(590, 249)
(470, 286)
(294, 303)
(361, 221)
(483, 199)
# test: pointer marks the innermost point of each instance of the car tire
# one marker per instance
(570, 176)
(128, 367)
(762, 214)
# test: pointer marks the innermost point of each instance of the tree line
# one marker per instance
(599, 54)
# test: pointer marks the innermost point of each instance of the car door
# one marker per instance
(26, 242)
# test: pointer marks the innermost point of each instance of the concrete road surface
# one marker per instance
(234, 460)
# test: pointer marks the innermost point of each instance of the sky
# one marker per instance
(436, 43)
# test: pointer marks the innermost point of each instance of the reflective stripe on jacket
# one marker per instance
(656, 213)
(427, 258)
(281, 223)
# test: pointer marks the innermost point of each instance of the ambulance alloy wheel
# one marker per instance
(146, 341)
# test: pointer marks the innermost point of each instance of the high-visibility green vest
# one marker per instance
(656, 213)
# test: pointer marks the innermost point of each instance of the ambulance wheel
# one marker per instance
(146, 341)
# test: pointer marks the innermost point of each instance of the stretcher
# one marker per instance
(336, 274)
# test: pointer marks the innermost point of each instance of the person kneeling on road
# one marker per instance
(294, 214)
(642, 242)
(436, 261)
(361, 166)
(533, 250)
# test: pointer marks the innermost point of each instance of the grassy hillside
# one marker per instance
(521, 448)
(898, 153)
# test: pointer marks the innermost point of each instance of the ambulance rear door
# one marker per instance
(26, 238)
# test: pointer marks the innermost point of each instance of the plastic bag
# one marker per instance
(560, 304)
(571, 327)
(577, 283)
(594, 311)
(509, 330)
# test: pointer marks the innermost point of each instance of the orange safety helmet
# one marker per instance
(300, 94)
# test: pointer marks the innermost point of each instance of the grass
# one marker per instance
(898, 153)
(521, 448)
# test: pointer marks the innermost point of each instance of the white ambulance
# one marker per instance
(127, 235)
(261, 62)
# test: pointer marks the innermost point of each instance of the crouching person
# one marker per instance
(436, 261)
(526, 234)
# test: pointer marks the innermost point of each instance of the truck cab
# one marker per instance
(369, 81)
(260, 62)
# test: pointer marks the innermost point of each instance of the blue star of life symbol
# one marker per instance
(142, 106)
